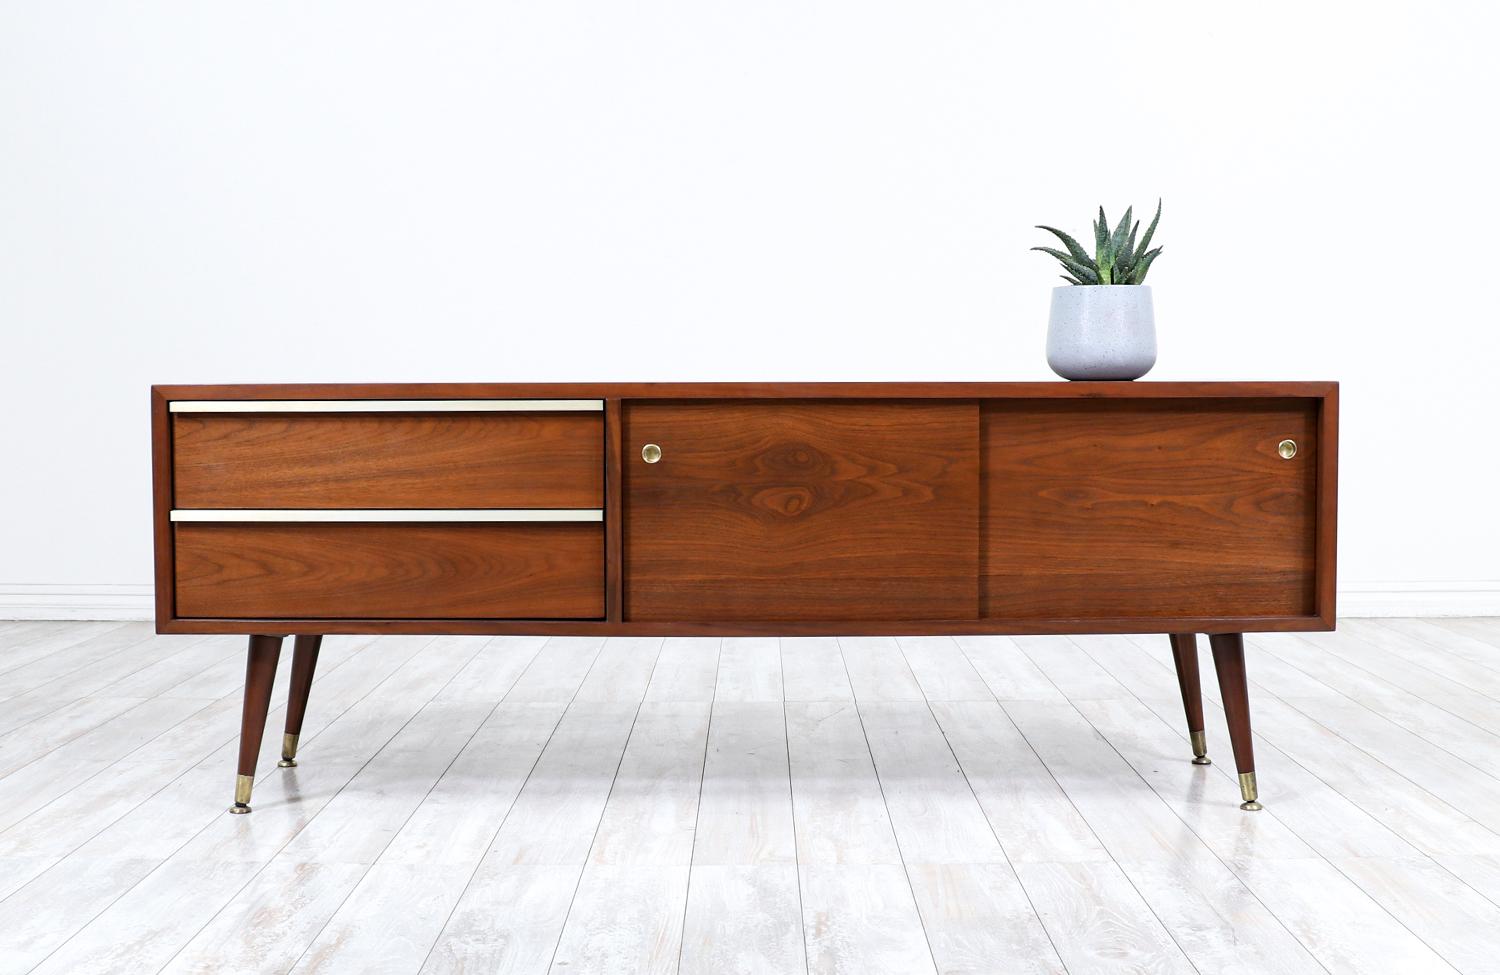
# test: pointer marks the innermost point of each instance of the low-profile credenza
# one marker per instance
(745, 508)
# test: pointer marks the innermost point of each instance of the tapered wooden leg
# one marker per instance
(304, 663)
(1229, 661)
(1185, 656)
(260, 674)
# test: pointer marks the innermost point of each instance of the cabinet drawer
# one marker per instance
(386, 570)
(322, 460)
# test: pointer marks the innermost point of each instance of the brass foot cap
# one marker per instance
(1202, 760)
(287, 763)
(239, 809)
(1251, 806)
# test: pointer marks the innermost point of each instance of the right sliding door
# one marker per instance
(1127, 508)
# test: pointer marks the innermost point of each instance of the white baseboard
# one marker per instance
(31, 601)
(22, 601)
(1480, 598)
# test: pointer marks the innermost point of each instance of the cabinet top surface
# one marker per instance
(752, 390)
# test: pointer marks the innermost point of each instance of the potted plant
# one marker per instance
(1102, 325)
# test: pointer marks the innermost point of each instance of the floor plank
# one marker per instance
(812, 669)
(1433, 904)
(979, 919)
(745, 919)
(1341, 926)
(837, 803)
(1006, 670)
(1031, 815)
(538, 855)
(1097, 920)
(522, 940)
(936, 817)
(625, 919)
(942, 670)
(621, 671)
(878, 671)
(1462, 645)
(745, 814)
(1124, 812)
(1216, 920)
(652, 811)
(859, 919)
(269, 923)
(557, 670)
(554, 819)
(687, 670)
(749, 670)
(1483, 630)
(388, 922)
(1462, 738)
(59, 641)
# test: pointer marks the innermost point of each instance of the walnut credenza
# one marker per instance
(721, 509)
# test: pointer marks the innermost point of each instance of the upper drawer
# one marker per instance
(327, 458)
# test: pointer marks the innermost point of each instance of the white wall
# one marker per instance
(196, 192)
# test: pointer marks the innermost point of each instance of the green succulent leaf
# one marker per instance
(1086, 264)
(1083, 272)
(1146, 240)
(1128, 254)
(1118, 238)
(1101, 235)
(1070, 279)
(1145, 265)
(1074, 248)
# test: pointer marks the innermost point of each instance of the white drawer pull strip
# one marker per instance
(387, 514)
(386, 406)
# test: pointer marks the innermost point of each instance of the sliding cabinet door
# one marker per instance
(801, 510)
(1124, 508)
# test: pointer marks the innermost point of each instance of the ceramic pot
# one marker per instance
(1103, 331)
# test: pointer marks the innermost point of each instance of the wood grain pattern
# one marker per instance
(389, 460)
(386, 570)
(801, 511)
(1181, 509)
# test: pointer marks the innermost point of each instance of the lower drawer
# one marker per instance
(390, 571)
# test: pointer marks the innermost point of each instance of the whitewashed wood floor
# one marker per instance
(751, 805)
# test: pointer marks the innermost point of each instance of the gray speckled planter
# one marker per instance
(1101, 331)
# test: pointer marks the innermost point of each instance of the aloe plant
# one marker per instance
(1117, 258)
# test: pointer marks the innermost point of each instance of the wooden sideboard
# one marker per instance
(745, 508)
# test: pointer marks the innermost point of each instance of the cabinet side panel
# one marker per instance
(1131, 509)
(799, 511)
(161, 508)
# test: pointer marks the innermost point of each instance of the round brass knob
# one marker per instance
(1287, 449)
(651, 453)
